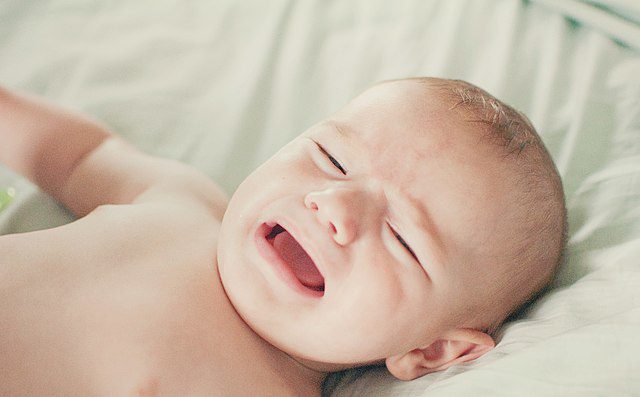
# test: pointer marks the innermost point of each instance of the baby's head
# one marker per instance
(405, 229)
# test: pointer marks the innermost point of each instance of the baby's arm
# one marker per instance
(83, 165)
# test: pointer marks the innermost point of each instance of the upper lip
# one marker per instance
(299, 231)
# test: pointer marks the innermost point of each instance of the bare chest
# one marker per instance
(112, 319)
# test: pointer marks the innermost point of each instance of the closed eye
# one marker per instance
(335, 162)
(404, 244)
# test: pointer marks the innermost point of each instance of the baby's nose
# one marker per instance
(338, 210)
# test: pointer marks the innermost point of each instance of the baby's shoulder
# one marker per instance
(188, 188)
(122, 232)
(167, 221)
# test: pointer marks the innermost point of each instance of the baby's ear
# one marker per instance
(455, 347)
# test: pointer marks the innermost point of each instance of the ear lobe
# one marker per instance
(455, 347)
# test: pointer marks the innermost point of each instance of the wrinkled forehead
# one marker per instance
(405, 126)
(407, 110)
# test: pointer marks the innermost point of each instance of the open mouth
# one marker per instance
(295, 258)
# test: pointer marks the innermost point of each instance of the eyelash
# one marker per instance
(344, 172)
(332, 159)
(404, 243)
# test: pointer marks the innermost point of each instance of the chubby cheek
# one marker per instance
(371, 322)
(372, 300)
(272, 181)
(265, 184)
(398, 309)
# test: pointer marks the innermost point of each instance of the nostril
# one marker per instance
(333, 228)
(313, 206)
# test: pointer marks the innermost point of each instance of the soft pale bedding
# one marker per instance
(222, 85)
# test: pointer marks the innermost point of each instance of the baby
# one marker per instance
(401, 231)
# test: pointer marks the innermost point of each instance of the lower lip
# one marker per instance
(281, 269)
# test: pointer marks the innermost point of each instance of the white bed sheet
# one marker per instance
(221, 85)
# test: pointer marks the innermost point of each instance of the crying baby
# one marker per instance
(402, 231)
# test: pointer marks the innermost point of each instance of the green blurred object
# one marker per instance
(6, 197)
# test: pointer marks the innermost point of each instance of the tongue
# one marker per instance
(301, 264)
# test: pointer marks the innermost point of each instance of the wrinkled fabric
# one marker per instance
(222, 85)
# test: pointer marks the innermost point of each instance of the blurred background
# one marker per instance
(222, 85)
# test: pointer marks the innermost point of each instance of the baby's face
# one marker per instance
(361, 238)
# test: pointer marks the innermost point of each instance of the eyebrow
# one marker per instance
(422, 222)
(343, 130)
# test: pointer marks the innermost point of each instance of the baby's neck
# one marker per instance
(232, 341)
(301, 372)
(304, 375)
